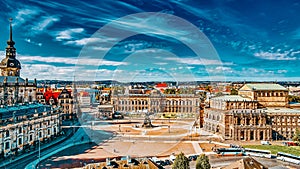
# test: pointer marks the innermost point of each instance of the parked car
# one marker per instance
(193, 157)
(265, 143)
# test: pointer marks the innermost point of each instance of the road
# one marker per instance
(86, 133)
(21, 163)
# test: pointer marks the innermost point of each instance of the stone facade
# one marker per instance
(155, 102)
(268, 95)
(14, 90)
(23, 121)
(65, 101)
(29, 124)
(248, 117)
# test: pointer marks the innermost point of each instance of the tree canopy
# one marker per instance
(296, 136)
(181, 162)
(202, 162)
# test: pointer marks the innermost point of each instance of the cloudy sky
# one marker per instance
(155, 40)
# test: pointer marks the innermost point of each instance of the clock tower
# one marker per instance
(10, 66)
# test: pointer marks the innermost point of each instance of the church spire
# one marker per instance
(10, 49)
(10, 66)
(10, 42)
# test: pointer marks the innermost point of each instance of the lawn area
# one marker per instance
(295, 150)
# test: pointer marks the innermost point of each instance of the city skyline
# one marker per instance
(253, 40)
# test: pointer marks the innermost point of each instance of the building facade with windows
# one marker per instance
(177, 105)
(267, 95)
(242, 117)
(65, 100)
(23, 121)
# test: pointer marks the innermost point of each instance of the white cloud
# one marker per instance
(23, 15)
(282, 71)
(75, 61)
(293, 53)
(68, 34)
(90, 41)
(84, 41)
(160, 63)
(274, 56)
(198, 61)
(45, 71)
(44, 23)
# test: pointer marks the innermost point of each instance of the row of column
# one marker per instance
(251, 134)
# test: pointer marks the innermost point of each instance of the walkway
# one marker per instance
(197, 147)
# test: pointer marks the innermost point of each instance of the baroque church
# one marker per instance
(23, 120)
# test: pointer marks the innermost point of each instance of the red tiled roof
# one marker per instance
(84, 94)
(162, 85)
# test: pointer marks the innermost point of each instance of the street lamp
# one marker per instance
(39, 151)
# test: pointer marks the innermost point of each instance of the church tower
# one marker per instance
(10, 66)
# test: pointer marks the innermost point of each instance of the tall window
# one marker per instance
(20, 141)
(7, 145)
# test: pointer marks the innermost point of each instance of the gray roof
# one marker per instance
(281, 110)
(12, 79)
(279, 167)
(231, 98)
(265, 86)
(7, 112)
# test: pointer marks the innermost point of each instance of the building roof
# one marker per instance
(84, 94)
(281, 110)
(161, 85)
(231, 98)
(279, 167)
(7, 112)
(245, 163)
(11, 79)
(63, 93)
(263, 86)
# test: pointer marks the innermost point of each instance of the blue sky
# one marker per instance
(230, 40)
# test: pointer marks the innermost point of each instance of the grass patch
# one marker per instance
(295, 150)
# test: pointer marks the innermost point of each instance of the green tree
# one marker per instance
(234, 91)
(181, 162)
(295, 99)
(170, 91)
(296, 136)
(202, 162)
